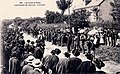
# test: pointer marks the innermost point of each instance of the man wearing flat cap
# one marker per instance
(50, 61)
(87, 67)
(27, 46)
(14, 65)
(32, 47)
(74, 62)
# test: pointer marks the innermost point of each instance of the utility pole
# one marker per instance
(69, 2)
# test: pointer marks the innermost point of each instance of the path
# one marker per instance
(110, 66)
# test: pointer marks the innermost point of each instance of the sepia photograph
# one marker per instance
(60, 37)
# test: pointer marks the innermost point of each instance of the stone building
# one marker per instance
(100, 10)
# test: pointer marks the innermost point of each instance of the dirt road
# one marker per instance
(110, 66)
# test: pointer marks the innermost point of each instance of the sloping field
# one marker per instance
(109, 53)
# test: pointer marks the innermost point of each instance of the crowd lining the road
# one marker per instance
(22, 57)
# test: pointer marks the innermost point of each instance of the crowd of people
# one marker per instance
(27, 57)
(84, 40)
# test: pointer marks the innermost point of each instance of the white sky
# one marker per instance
(8, 10)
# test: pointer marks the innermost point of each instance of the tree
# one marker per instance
(49, 17)
(63, 5)
(58, 18)
(53, 17)
(80, 18)
(18, 21)
(115, 13)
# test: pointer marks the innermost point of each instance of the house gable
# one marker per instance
(93, 3)
(105, 9)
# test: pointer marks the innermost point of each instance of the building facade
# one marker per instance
(100, 10)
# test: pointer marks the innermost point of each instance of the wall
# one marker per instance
(105, 9)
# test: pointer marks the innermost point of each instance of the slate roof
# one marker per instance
(92, 4)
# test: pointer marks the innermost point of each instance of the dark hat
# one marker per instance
(89, 56)
(67, 54)
(22, 37)
(99, 63)
(36, 41)
(28, 41)
(52, 52)
(32, 42)
(76, 52)
(21, 34)
(57, 51)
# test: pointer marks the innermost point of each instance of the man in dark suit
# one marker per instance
(50, 61)
(38, 53)
(14, 65)
(74, 62)
(62, 66)
(69, 42)
(87, 67)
